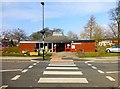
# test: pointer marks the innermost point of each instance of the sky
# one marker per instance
(69, 16)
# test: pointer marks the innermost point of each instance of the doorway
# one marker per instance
(60, 47)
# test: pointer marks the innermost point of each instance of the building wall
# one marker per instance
(27, 46)
(74, 47)
(83, 47)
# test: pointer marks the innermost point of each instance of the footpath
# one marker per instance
(9, 58)
(33, 59)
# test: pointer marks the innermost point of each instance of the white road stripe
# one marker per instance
(100, 71)
(38, 62)
(10, 70)
(62, 80)
(89, 64)
(63, 72)
(30, 67)
(110, 78)
(61, 65)
(3, 86)
(86, 62)
(94, 67)
(25, 70)
(35, 64)
(112, 72)
(16, 77)
(75, 68)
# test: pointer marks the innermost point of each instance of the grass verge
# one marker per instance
(96, 54)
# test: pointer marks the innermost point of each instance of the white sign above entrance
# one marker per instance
(76, 43)
(73, 46)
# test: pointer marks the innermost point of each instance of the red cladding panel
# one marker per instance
(27, 46)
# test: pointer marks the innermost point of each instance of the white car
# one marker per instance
(113, 49)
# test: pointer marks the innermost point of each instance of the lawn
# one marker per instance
(14, 51)
(96, 54)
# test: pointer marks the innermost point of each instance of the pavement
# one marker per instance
(11, 58)
(34, 59)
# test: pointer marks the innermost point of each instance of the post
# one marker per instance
(43, 33)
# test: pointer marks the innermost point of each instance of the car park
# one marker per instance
(113, 49)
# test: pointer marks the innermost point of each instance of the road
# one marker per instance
(57, 73)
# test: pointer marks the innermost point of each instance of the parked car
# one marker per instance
(113, 49)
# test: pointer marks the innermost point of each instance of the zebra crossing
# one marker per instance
(71, 72)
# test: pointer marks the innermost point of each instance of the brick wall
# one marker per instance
(84, 47)
(27, 46)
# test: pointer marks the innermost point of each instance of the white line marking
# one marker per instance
(25, 70)
(89, 64)
(30, 67)
(100, 71)
(38, 62)
(10, 70)
(94, 67)
(35, 64)
(110, 78)
(75, 68)
(62, 80)
(61, 65)
(3, 86)
(112, 72)
(16, 77)
(86, 62)
(63, 72)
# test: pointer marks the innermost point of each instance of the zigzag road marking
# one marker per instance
(110, 78)
(3, 86)
(16, 77)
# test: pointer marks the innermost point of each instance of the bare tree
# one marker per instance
(72, 35)
(115, 17)
(19, 34)
(98, 33)
(90, 26)
(114, 29)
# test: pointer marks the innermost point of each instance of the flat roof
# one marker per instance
(58, 41)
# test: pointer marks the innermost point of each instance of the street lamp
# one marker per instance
(43, 31)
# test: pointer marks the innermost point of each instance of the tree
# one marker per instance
(114, 29)
(97, 34)
(19, 34)
(90, 27)
(115, 17)
(72, 35)
(48, 32)
(6, 34)
(36, 36)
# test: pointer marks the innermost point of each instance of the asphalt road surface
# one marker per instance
(68, 73)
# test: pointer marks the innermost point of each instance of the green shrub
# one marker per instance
(11, 49)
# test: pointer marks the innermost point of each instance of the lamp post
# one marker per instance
(43, 31)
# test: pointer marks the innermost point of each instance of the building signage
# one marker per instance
(73, 46)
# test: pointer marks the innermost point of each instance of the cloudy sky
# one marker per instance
(69, 16)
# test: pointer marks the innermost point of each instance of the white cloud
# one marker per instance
(33, 11)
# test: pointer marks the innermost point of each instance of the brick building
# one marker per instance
(58, 43)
